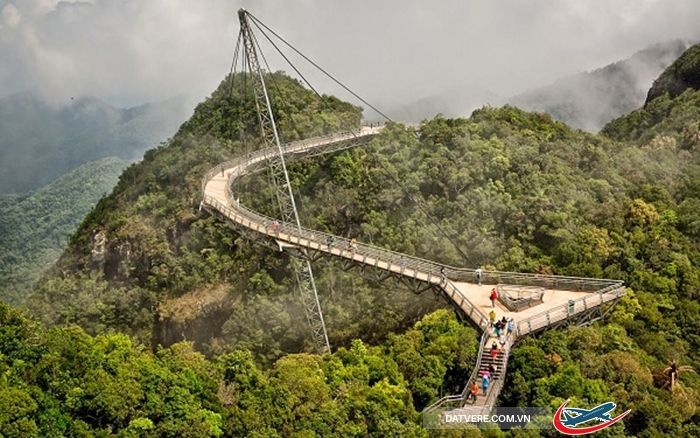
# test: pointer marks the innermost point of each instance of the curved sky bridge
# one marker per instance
(565, 300)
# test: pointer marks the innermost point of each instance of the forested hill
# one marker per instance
(590, 100)
(683, 74)
(670, 118)
(145, 253)
(35, 226)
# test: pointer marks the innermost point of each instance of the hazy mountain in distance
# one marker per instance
(457, 102)
(589, 100)
(35, 226)
(39, 141)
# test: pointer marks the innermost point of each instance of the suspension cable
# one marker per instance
(396, 180)
(289, 62)
(318, 67)
(233, 63)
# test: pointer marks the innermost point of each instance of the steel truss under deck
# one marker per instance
(373, 263)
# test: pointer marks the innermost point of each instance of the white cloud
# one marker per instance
(388, 51)
(10, 16)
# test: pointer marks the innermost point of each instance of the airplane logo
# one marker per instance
(574, 417)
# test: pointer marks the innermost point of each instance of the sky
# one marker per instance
(390, 52)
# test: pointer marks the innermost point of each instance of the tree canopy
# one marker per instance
(514, 190)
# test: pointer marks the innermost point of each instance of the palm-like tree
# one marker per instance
(672, 372)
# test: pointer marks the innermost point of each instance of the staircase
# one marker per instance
(497, 377)
(567, 300)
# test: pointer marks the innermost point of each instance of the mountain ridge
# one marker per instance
(35, 226)
(589, 100)
(40, 141)
(585, 100)
(517, 190)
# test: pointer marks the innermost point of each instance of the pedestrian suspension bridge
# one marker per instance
(535, 302)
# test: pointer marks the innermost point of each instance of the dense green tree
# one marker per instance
(512, 190)
(35, 226)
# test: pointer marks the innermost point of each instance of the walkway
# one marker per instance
(566, 299)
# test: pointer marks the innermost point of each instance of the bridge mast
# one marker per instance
(285, 196)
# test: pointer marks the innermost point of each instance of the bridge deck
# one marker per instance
(553, 299)
(477, 295)
(472, 298)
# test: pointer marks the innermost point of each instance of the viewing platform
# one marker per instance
(558, 300)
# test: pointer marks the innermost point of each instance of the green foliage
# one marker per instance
(684, 73)
(35, 226)
(593, 365)
(512, 189)
(63, 382)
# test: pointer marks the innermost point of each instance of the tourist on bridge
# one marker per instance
(492, 370)
(473, 391)
(478, 276)
(494, 350)
(502, 340)
(493, 297)
(486, 373)
(498, 328)
(511, 326)
(485, 384)
(329, 241)
(492, 318)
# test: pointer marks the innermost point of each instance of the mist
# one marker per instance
(391, 52)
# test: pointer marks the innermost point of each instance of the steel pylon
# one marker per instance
(284, 194)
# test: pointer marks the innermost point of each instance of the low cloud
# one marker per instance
(390, 52)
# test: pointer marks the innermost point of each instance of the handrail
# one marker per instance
(255, 159)
(472, 377)
(560, 312)
(497, 384)
(396, 262)
(534, 295)
(415, 267)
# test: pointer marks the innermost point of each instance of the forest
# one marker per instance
(35, 226)
(515, 190)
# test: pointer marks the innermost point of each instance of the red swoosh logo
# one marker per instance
(582, 430)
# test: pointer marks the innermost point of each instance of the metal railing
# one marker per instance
(497, 384)
(396, 262)
(566, 310)
(540, 280)
(516, 298)
(408, 266)
(460, 399)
